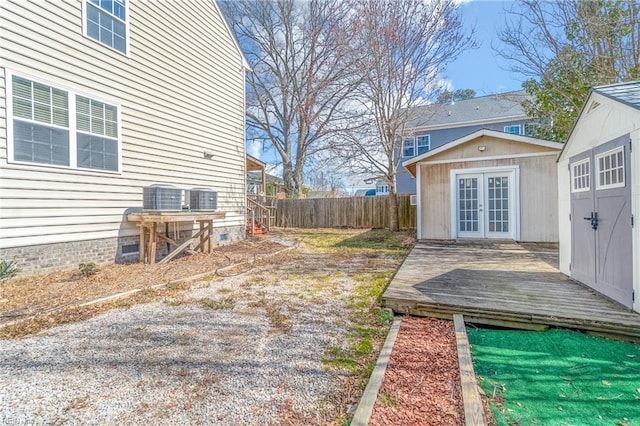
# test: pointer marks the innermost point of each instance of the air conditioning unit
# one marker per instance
(162, 197)
(413, 199)
(203, 199)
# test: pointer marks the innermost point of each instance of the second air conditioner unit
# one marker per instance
(203, 199)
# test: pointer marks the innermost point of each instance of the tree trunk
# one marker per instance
(291, 187)
(394, 222)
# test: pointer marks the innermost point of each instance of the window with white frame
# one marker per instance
(97, 126)
(106, 22)
(408, 147)
(514, 129)
(49, 125)
(422, 144)
(40, 123)
(382, 189)
(610, 167)
(580, 176)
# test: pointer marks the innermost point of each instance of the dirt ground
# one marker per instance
(27, 296)
(289, 339)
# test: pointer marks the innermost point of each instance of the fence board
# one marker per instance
(350, 212)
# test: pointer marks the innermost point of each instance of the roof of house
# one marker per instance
(410, 164)
(497, 107)
(628, 93)
(255, 176)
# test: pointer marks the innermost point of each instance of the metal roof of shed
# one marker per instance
(628, 93)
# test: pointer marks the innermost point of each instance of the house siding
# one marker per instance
(406, 184)
(180, 91)
(538, 196)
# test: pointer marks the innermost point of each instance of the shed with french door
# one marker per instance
(488, 184)
(599, 194)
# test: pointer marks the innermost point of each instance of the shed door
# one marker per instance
(485, 206)
(601, 220)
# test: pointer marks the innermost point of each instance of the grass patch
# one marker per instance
(360, 240)
(387, 400)
(225, 303)
(378, 239)
(557, 377)
(369, 326)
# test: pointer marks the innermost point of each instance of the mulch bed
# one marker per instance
(422, 381)
(26, 296)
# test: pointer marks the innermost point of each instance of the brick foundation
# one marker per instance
(64, 256)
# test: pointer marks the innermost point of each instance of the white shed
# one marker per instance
(599, 194)
(488, 184)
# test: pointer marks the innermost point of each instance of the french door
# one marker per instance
(485, 204)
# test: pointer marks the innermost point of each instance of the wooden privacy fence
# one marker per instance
(351, 212)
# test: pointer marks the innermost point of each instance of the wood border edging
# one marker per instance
(473, 409)
(370, 395)
(153, 287)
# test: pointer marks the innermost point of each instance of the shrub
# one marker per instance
(88, 269)
(8, 269)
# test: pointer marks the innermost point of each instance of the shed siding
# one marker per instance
(493, 147)
(538, 196)
(441, 136)
(595, 126)
(180, 91)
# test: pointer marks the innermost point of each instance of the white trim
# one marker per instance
(411, 139)
(84, 18)
(597, 169)
(587, 188)
(485, 132)
(514, 195)
(492, 157)
(71, 96)
(519, 126)
(419, 203)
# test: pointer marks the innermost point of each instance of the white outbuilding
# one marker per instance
(599, 194)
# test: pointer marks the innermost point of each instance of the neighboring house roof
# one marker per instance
(628, 93)
(410, 164)
(255, 176)
(483, 109)
(365, 192)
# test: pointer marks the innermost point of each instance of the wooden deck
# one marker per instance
(504, 284)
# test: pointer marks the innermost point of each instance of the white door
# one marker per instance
(469, 216)
(485, 205)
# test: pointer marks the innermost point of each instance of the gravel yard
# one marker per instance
(289, 342)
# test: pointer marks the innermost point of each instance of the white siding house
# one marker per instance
(98, 100)
(599, 194)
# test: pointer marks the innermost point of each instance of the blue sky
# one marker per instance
(482, 69)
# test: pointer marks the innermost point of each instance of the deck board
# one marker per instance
(503, 283)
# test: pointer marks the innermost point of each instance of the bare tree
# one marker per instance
(402, 46)
(565, 47)
(301, 76)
